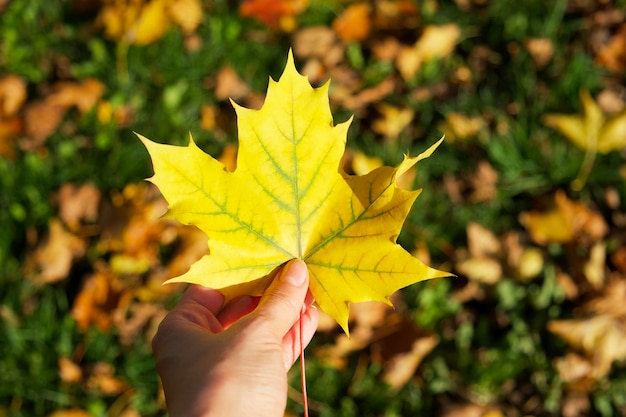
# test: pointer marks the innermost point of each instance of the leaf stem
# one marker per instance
(305, 401)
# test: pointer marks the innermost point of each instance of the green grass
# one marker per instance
(493, 350)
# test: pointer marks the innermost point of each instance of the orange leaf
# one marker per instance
(354, 23)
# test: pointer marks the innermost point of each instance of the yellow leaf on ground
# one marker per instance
(592, 130)
(289, 199)
(564, 223)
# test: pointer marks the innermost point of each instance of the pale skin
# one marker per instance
(232, 360)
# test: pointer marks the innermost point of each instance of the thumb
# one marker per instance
(283, 301)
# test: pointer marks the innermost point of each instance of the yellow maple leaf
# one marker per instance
(592, 131)
(288, 198)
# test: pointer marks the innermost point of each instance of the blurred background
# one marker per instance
(524, 201)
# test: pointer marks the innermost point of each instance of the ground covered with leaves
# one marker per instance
(524, 201)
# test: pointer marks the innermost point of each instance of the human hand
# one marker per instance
(232, 360)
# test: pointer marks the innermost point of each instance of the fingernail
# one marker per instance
(295, 273)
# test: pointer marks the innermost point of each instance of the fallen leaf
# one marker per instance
(612, 55)
(566, 221)
(314, 41)
(484, 270)
(41, 119)
(102, 379)
(78, 205)
(610, 302)
(401, 368)
(278, 14)
(592, 130)
(141, 22)
(601, 338)
(134, 321)
(393, 120)
(99, 297)
(352, 100)
(12, 95)
(484, 183)
(187, 14)
(52, 260)
(594, 267)
(289, 199)
(458, 126)
(481, 241)
(69, 371)
(9, 131)
(354, 23)
(82, 95)
(363, 164)
(435, 42)
(541, 49)
(229, 85)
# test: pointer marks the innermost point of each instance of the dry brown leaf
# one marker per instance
(69, 371)
(567, 285)
(567, 221)
(41, 119)
(484, 183)
(481, 241)
(394, 14)
(573, 368)
(78, 205)
(484, 270)
(481, 263)
(83, 95)
(99, 297)
(9, 131)
(354, 23)
(611, 301)
(601, 338)
(399, 370)
(351, 100)
(619, 259)
(229, 85)
(613, 54)
(12, 95)
(131, 226)
(52, 260)
(575, 404)
(133, 322)
(541, 49)
(314, 41)
(102, 379)
(386, 50)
